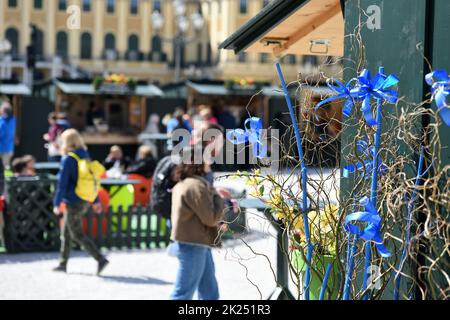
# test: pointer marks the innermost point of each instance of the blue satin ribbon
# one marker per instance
(372, 231)
(342, 92)
(252, 133)
(378, 87)
(440, 90)
(365, 89)
(366, 165)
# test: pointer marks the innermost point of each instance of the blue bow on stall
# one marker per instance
(366, 165)
(364, 90)
(373, 230)
(440, 90)
(252, 134)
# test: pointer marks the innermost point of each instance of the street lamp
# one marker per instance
(182, 24)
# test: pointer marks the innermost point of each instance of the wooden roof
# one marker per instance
(313, 27)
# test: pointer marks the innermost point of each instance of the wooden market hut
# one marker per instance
(259, 100)
(122, 113)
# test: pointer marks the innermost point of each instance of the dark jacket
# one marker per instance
(67, 179)
(145, 167)
(7, 134)
(124, 163)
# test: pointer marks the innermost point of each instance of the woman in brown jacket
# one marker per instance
(196, 211)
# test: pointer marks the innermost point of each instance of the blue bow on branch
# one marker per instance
(364, 90)
(252, 134)
(342, 92)
(372, 231)
(440, 90)
(366, 165)
(377, 88)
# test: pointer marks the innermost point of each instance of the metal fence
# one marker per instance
(30, 224)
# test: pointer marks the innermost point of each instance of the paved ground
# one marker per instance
(245, 270)
(141, 274)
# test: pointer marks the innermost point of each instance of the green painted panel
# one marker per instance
(441, 60)
(398, 45)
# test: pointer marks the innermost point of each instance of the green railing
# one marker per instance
(31, 226)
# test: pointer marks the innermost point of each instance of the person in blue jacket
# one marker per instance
(75, 207)
(7, 133)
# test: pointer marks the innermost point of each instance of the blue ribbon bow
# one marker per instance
(372, 231)
(364, 90)
(378, 88)
(342, 92)
(252, 133)
(367, 164)
(440, 90)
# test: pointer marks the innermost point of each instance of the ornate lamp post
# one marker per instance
(182, 23)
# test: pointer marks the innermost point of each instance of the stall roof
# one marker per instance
(308, 27)
(218, 89)
(14, 89)
(86, 88)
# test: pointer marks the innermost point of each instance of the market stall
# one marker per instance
(107, 111)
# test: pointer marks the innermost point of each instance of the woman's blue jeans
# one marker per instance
(196, 272)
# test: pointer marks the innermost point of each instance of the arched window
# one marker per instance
(12, 35)
(133, 47)
(110, 42)
(86, 46)
(156, 44)
(133, 43)
(39, 44)
(61, 44)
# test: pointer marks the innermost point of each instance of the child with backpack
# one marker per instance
(78, 186)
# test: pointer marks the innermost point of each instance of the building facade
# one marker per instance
(87, 37)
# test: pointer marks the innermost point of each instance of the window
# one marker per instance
(86, 46)
(62, 5)
(133, 47)
(157, 5)
(38, 4)
(110, 42)
(243, 6)
(263, 57)
(61, 44)
(199, 53)
(242, 56)
(134, 7)
(87, 5)
(12, 35)
(156, 44)
(310, 60)
(291, 59)
(39, 44)
(265, 3)
(110, 6)
(12, 3)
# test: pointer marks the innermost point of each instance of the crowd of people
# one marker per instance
(196, 207)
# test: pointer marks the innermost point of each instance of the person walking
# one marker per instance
(7, 133)
(70, 192)
(196, 211)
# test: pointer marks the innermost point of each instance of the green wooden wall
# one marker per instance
(409, 31)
